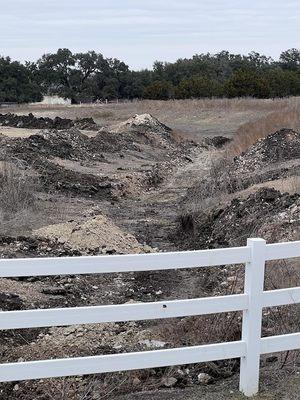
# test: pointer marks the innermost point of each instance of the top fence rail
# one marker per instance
(23, 267)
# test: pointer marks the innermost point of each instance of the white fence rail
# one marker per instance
(251, 302)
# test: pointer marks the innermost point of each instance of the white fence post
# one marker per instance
(252, 318)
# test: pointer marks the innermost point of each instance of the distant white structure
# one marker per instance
(55, 100)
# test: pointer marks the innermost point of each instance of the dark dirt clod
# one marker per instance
(217, 141)
(10, 301)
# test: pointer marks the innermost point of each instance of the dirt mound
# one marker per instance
(68, 144)
(86, 124)
(56, 177)
(276, 156)
(97, 235)
(139, 129)
(47, 151)
(39, 152)
(266, 213)
(144, 122)
(113, 143)
(31, 122)
(71, 144)
(280, 146)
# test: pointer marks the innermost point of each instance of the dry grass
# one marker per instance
(193, 118)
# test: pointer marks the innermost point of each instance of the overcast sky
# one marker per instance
(142, 31)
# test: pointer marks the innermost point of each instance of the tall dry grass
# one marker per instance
(236, 104)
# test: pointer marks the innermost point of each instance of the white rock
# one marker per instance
(204, 379)
(152, 343)
(169, 381)
(136, 381)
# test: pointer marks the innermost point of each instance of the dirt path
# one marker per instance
(152, 216)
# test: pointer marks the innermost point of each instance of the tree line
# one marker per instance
(89, 77)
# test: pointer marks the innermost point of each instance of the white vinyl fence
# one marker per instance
(251, 302)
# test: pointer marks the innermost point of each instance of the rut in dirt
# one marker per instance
(152, 217)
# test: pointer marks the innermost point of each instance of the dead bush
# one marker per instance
(193, 331)
(18, 188)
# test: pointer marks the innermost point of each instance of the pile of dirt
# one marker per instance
(68, 144)
(274, 157)
(39, 152)
(141, 122)
(138, 130)
(58, 178)
(87, 340)
(86, 124)
(94, 235)
(266, 213)
(31, 122)
(67, 291)
(283, 145)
